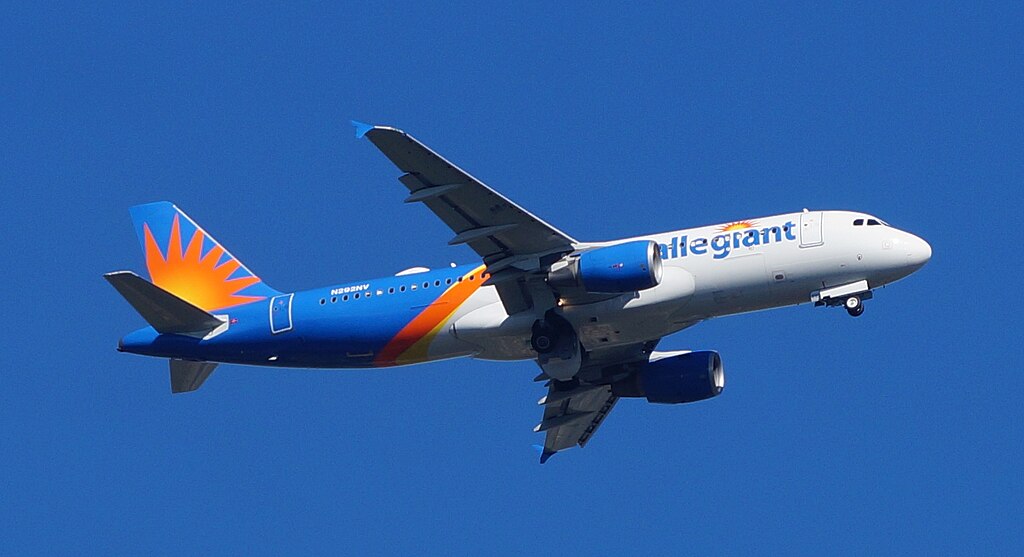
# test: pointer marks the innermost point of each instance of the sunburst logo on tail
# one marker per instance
(741, 225)
(202, 279)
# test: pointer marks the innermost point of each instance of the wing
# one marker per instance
(510, 239)
(571, 417)
(573, 411)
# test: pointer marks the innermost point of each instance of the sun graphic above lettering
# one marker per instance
(196, 277)
(740, 225)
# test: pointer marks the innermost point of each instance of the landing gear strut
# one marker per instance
(854, 306)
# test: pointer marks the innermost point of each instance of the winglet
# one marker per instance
(544, 454)
(361, 128)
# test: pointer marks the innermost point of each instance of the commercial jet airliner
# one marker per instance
(589, 313)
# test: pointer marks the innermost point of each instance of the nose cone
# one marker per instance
(918, 252)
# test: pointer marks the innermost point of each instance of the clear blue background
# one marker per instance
(899, 432)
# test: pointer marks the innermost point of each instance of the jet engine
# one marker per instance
(625, 267)
(674, 379)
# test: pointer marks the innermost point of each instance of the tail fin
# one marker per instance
(200, 271)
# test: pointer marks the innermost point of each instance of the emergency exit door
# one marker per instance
(281, 313)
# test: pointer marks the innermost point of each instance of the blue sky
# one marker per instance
(898, 432)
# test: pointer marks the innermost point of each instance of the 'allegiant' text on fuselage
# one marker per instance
(722, 245)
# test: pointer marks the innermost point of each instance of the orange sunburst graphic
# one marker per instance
(740, 225)
(194, 277)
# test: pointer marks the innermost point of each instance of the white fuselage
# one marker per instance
(709, 271)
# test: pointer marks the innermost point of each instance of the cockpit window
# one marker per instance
(858, 222)
(873, 222)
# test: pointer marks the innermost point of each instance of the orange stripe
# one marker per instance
(433, 315)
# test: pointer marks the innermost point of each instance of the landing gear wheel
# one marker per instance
(854, 306)
(542, 343)
(543, 339)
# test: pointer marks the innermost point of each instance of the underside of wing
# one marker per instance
(492, 225)
(511, 240)
(572, 416)
(573, 410)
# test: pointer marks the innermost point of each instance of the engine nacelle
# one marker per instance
(626, 267)
(676, 379)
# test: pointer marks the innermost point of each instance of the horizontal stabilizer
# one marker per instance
(188, 376)
(166, 312)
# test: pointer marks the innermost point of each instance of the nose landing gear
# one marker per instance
(850, 296)
(854, 306)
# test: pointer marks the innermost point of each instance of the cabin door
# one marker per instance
(810, 230)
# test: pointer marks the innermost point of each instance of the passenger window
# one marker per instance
(343, 298)
(401, 288)
(448, 281)
(437, 283)
(858, 222)
(391, 290)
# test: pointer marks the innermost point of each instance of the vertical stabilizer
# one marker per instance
(186, 261)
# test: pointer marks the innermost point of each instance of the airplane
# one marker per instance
(589, 313)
